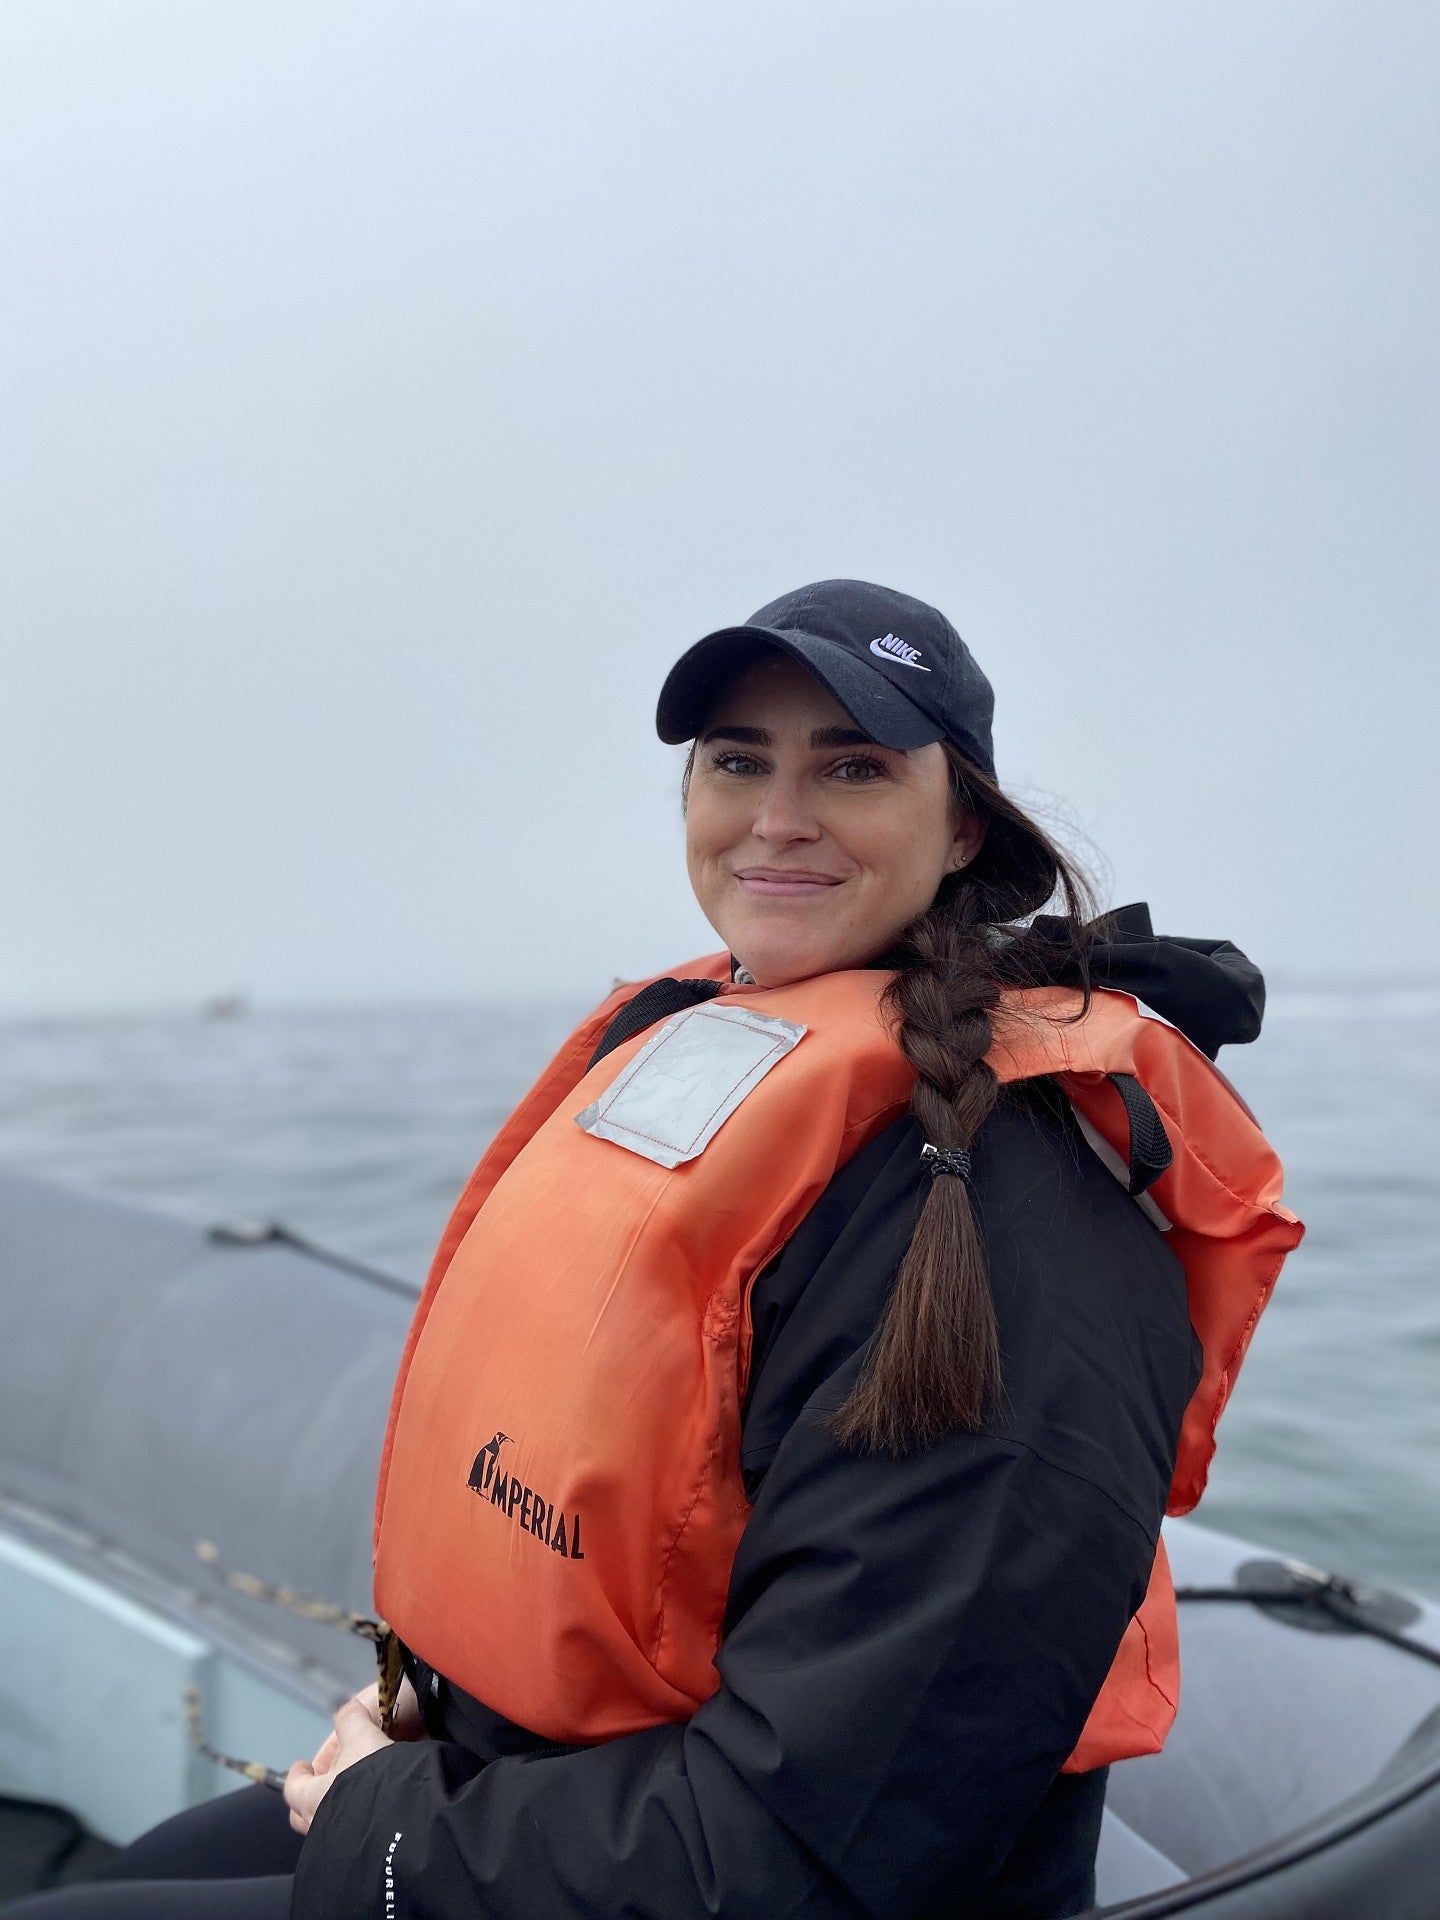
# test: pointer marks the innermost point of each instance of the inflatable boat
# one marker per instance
(182, 1407)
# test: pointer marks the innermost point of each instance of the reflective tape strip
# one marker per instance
(687, 1080)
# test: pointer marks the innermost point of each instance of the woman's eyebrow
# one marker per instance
(840, 737)
(744, 736)
(759, 737)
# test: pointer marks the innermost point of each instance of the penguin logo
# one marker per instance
(483, 1471)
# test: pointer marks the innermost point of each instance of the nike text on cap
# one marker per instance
(896, 666)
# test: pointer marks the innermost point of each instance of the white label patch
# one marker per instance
(687, 1080)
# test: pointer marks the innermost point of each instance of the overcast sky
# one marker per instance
(388, 393)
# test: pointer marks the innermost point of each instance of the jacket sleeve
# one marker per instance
(913, 1649)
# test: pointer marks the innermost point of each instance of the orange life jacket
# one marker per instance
(560, 1496)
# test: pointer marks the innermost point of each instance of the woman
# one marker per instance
(771, 1502)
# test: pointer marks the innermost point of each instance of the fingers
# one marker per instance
(308, 1781)
(407, 1722)
(358, 1733)
(352, 1719)
(302, 1795)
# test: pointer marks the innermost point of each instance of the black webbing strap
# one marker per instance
(655, 1002)
(1150, 1149)
(1337, 1601)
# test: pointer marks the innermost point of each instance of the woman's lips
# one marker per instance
(776, 883)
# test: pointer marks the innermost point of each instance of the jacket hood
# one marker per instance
(1209, 989)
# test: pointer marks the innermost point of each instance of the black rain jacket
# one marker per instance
(910, 1647)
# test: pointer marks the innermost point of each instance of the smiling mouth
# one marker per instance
(780, 884)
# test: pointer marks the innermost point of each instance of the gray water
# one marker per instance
(358, 1129)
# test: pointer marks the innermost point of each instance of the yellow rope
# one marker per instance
(390, 1669)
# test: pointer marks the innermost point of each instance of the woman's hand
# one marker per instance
(357, 1733)
(406, 1722)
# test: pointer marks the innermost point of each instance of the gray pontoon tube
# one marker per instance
(162, 1385)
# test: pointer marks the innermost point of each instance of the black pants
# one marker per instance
(232, 1859)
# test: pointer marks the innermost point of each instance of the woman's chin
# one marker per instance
(781, 966)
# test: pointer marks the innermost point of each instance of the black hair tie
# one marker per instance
(946, 1160)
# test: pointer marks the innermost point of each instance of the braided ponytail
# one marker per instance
(934, 1363)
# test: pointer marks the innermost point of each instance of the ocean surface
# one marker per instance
(357, 1128)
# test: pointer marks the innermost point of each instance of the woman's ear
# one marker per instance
(968, 840)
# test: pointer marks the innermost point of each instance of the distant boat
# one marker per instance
(158, 1382)
(225, 1006)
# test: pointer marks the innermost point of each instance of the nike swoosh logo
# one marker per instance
(884, 653)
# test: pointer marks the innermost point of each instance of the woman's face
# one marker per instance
(809, 847)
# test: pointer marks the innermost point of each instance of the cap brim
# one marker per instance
(699, 676)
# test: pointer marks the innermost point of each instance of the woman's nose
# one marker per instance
(785, 814)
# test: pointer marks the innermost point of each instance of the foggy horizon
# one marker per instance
(391, 395)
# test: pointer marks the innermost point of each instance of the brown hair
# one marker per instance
(933, 1365)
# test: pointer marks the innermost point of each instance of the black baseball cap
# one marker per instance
(896, 666)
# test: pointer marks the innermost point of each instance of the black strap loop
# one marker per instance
(655, 1002)
(1150, 1149)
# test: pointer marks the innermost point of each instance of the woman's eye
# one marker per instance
(733, 762)
(859, 769)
